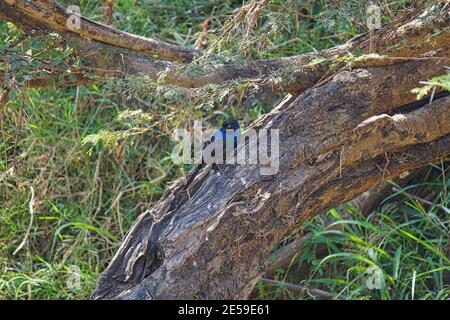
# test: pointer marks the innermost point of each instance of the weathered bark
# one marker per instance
(365, 203)
(215, 244)
(347, 129)
(53, 15)
(115, 53)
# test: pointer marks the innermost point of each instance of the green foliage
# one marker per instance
(440, 82)
(87, 195)
(279, 27)
(97, 156)
(405, 240)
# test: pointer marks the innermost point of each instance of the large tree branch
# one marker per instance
(55, 16)
(212, 244)
(408, 38)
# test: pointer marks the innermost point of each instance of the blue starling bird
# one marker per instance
(230, 137)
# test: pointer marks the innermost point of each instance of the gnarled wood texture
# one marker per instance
(115, 53)
(337, 140)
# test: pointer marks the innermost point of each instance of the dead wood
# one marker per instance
(215, 244)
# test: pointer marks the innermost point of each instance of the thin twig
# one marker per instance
(299, 288)
(31, 210)
(110, 12)
(395, 189)
(4, 98)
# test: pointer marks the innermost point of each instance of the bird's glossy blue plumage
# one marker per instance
(228, 134)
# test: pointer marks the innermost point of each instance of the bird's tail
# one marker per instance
(193, 175)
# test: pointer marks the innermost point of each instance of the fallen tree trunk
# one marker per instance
(347, 129)
(188, 248)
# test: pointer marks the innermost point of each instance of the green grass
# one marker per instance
(87, 196)
(405, 239)
(85, 200)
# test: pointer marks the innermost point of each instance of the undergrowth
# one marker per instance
(95, 157)
(398, 251)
